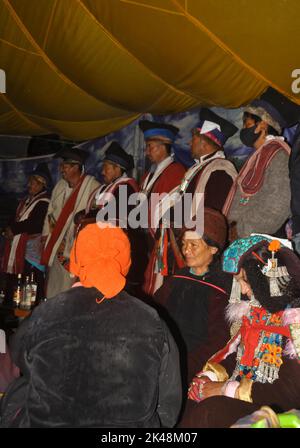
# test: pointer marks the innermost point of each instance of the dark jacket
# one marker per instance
(195, 312)
(85, 364)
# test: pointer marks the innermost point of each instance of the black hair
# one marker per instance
(260, 284)
(212, 243)
(254, 117)
(123, 170)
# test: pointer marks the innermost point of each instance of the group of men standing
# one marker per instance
(257, 199)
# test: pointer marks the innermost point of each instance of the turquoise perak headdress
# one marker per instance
(233, 254)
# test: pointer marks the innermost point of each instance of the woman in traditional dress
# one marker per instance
(260, 364)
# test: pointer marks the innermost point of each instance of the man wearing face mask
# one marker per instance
(259, 200)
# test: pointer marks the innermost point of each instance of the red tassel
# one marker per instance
(165, 270)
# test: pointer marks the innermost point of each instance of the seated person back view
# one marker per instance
(94, 356)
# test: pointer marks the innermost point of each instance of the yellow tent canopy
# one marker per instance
(84, 68)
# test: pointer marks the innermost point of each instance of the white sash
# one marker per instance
(146, 187)
(85, 186)
(100, 193)
(24, 215)
(175, 195)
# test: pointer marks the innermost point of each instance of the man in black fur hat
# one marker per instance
(117, 163)
(111, 202)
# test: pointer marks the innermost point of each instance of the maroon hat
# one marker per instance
(215, 228)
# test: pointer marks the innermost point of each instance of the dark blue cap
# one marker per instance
(152, 129)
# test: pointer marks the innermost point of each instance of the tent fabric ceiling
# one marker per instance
(84, 68)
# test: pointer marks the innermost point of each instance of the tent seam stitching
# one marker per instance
(143, 5)
(126, 50)
(49, 25)
(234, 56)
(21, 114)
(48, 61)
(18, 48)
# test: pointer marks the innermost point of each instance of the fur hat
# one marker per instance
(116, 154)
(72, 155)
(42, 173)
(215, 228)
(276, 109)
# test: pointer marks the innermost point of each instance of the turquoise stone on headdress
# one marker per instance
(237, 249)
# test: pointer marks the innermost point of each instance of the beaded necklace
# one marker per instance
(265, 363)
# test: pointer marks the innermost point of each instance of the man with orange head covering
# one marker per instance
(94, 356)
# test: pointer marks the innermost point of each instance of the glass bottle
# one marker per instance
(33, 285)
(2, 296)
(18, 292)
(26, 302)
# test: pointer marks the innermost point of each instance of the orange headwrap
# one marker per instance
(100, 257)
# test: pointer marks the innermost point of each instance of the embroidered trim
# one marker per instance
(201, 281)
(295, 333)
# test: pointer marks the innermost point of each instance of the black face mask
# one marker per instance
(248, 136)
